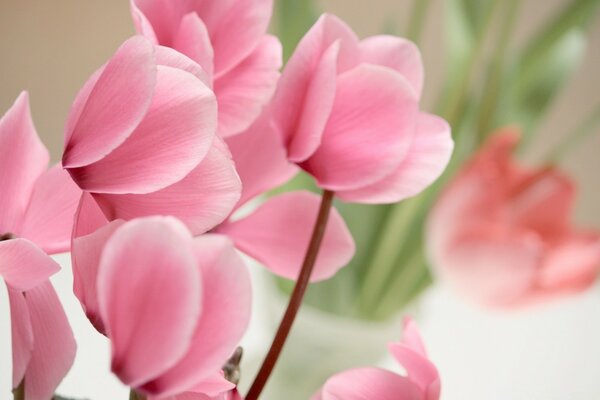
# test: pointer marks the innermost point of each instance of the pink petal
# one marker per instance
(202, 200)
(21, 334)
(306, 90)
(278, 232)
(23, 158)
(111, 104)
(49, 218)
(23, 265)
(54, 346)
(224, 319)
(149, 294)
(214, 385)
(397, 53)
(172, 139)
(260, 159)
(370, 129)
(426, 159)
(368, 384)
(243, 92)
(192, 39)
(171, 58)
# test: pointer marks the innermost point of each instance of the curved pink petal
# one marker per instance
(172, 139)
(21, 335)
(192, 39)
(397, 53)
(171, 58)
(368, 384)
(202, 200)
(215, 385)
(23, 265)
(243, 92)
(49, 218)
(149, 293)
(224, 318)
(306, 90)
(23, 158)
(260, 159)
(278, 232)
(111, 105)
(425, 161)
(371, 127)
(54, 346)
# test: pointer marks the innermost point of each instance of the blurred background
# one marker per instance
(533, 63)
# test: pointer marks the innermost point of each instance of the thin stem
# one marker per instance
(133, 395)
(296, 298)
(417, 19)
(19, 391)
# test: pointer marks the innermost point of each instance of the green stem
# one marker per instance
(582, 132)
(19, 391)
(133, 395)
(417, 19)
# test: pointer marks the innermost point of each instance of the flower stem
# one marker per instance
(296, 298)
(19, 391)
(133, 395)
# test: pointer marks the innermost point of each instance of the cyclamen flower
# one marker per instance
(174, 307)
(348, 114)
(501, 232)
(228, 39)
(141, 138)
(36, 215)
(421, 383)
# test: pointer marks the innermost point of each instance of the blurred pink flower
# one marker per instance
(348, 113)
(228, 39)
(36, 211)
(501, 232)
(141, 138)
(174, 307)
(421, 383)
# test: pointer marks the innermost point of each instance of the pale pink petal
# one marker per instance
(23, 158)
(49, 218)
(192, 39)
(306, 90)
(172, 139)
(54, 346)
(371, 127)
(224, 318)
(23, 265)
(243, 92)
(573, 264)
(260, 159)
(411, 336)
(369, 384)
(278, 232)
(21, 335)
(149, 293)
(171, 58)
(214, 385)
(396, 53)
(111, 105)
(202, 200)
(425, 161)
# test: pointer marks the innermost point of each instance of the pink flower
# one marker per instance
(422, 382)
(501, 232)
(174, 307)
(348, 113)
(36, 212)
(141, 139)
(228, 39)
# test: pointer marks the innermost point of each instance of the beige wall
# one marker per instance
(51, 47)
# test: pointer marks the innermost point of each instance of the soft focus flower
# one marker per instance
(348, 113)
(36, 211)
(174, 307)
(141, 138)
(501, 232)
(421, 383)
(228, 39)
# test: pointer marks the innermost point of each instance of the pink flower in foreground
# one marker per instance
(141, 138)
(348, 113)
(421, 383)
(36, 211)
(228, 39)
(174, 307)
(501, 232)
